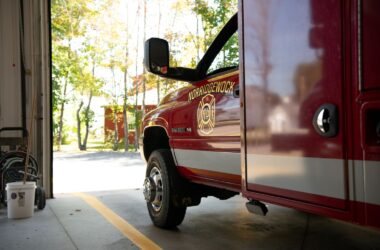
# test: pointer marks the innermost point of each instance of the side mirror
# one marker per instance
(156, 56)
(156, 61)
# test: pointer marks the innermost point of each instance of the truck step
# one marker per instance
(257, 207)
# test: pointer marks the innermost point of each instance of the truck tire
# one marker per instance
(160, 186)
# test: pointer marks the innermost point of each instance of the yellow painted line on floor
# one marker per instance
(122, 225)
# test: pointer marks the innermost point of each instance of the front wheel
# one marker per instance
(160, 187)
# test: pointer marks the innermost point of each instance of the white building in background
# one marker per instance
(284, 117)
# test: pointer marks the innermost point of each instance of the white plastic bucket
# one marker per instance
(20, 199)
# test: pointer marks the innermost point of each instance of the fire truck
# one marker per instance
(293, 121)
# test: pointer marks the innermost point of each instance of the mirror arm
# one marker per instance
(182, 74)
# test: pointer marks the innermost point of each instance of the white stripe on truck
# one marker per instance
(320, 176)
(224, 162)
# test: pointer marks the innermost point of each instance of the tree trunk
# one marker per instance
(143, 80)
(125, 99)
(126, 131)
(125, 112)
(61, 113)
(137, 82)
(197, 37)
(60, 125)
(87, 122)
(79, 136)
(136, 119)
(116, 129)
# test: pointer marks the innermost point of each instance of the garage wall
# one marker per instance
(33, 40)
(10, 80)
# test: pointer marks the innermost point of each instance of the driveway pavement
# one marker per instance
(97, 171)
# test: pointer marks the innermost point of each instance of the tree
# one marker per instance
(114, 35)
(94, 47)
(87, 83)
(88, 86)
(125, 90)
(137, 82)
(214, 14)
(64, 65)
(67, 17)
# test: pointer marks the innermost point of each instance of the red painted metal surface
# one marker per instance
(371, 41)
(212, 178)
(299, 51)
(227, 117)
(178, 115)
(178, 112)
(294, 57)
(292, 83)
(300, 196)
(223, 137)
(299, 46)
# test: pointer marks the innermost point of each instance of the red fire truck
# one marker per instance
(294, 121)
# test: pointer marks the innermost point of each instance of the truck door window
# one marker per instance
(227, 58)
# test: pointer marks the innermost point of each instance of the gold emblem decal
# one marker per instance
(223, 87)
(206, 114)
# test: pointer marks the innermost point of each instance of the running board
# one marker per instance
(256, 207)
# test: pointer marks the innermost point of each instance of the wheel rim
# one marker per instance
(156, 188)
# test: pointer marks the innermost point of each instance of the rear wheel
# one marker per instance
(160, 190)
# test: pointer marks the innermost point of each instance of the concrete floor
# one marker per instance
(69, 222)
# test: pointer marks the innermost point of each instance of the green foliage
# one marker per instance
(71, 69)
(89, 38)
(67, 18)
(214, 14)
(66, 137)
(228, 56)
(109, 138)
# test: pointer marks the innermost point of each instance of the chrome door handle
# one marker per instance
(325, 120)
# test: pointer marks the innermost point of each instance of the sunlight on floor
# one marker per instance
(97, 171)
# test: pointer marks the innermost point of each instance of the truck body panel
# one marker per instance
(205, 144)
(296, 123)
(298, 57)
(211, 152)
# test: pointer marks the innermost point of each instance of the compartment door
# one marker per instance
(294, 133)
